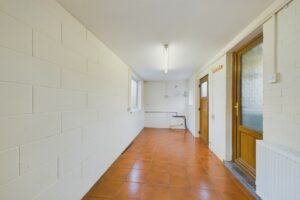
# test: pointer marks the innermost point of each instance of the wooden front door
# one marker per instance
(204, 109)
(248, 104)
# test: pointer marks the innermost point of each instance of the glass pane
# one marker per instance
(252, 88)
(204, 89)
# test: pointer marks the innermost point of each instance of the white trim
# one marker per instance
(134, 76)
(138, 81)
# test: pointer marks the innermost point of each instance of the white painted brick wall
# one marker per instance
(74, 39)
(21, 129)
(74, 80)
(91, 130)
(96, 100)
(17, 67)
(52, 99)
(50, 50)
(63, 118)
(80, 81)
(281, 100)
(77, 119)
(27, 186)
(69, 161)
(30, 12)
(9, 165)
(34, 155)
(15, 99)
(69, 141)
(70, 185)
(95, 69)
(15, 35)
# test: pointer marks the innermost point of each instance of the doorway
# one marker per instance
(248, 104)
(204, 133)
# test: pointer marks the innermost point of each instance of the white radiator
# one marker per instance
(277, 173)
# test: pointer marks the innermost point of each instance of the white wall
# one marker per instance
(191, 106)
(219, 101)
(282, 99)
(281, 108)
(165, 96)
(63, 105)
(217, 109)
(220, 116)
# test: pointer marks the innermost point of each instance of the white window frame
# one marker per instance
(138, 97)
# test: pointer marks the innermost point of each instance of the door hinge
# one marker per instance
(237, 109)
(199, 109)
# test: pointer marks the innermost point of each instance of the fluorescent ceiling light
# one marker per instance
(166, 58)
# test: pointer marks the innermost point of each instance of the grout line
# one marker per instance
(46, 86)
(60, 77)
(16, 51)
(32, 99)
(32, 42)
(58, 175)
(82, 136)
(61, 33)
(19, 160)
(61, 126)
(86, 33)
(17, 83)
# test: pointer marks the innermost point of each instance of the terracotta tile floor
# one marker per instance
(164, 164)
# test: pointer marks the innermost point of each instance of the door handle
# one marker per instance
(236, 109)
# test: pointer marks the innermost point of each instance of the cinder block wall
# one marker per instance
(63, 102)
(282, 100)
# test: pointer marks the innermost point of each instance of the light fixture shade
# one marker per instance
(166, 58)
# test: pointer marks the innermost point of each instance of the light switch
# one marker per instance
(273, 78)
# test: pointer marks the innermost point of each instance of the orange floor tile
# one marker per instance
(165, 164)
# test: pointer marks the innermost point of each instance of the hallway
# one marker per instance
(166, 164)
(96, 95)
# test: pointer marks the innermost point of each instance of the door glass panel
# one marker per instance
(203, 89)
(252, 88)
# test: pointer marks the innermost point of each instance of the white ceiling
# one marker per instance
(137, 29)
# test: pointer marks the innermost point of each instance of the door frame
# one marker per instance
(205, 78)
(236, 72)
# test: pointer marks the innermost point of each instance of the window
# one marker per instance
(203, 89)
(135, 94)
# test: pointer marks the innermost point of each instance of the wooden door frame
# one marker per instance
(202, 80)
(236, 72)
